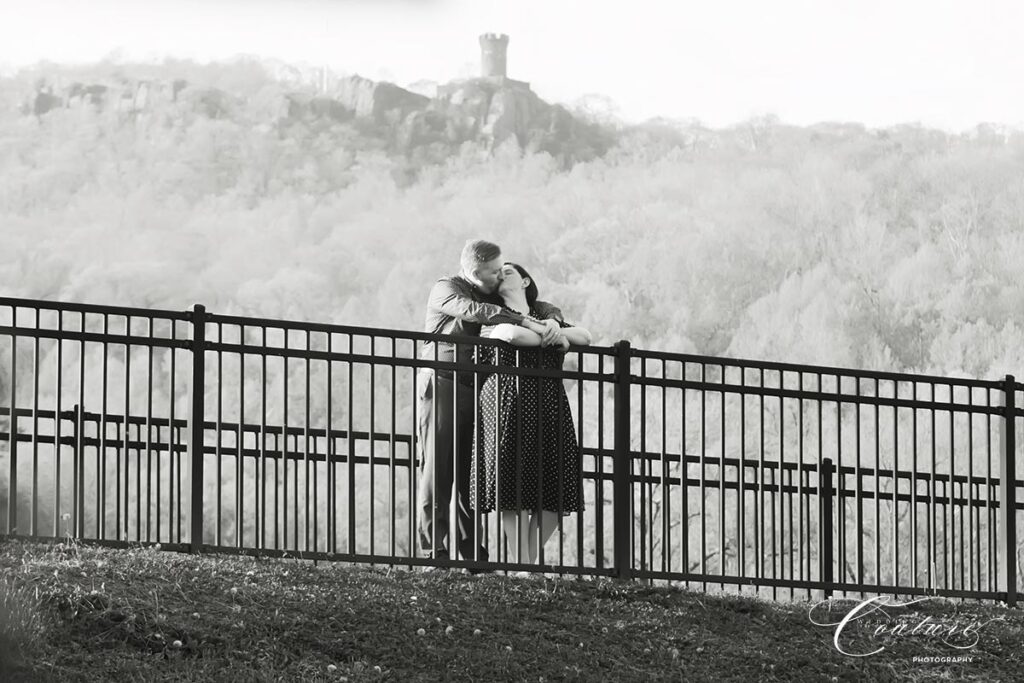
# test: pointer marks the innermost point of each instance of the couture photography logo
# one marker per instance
(883, 623)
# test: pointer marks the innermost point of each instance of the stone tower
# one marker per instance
(493, 51)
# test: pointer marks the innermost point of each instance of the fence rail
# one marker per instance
(232, 434)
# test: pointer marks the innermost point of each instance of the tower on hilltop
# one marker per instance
(493, 55)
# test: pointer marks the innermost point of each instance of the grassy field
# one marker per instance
(74, 612)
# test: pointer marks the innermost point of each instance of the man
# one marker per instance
(458, 305)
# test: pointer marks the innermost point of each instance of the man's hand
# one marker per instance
(552, 332)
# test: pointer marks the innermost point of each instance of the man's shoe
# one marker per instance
(441, 556)
(475, 571)
(483, 556)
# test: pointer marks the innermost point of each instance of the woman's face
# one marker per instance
(512, 282)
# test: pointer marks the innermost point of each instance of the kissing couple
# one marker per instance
(507, 442)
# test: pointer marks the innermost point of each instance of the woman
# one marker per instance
(528, 416)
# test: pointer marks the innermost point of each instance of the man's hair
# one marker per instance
(478, 252)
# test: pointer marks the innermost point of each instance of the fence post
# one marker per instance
(79, 475)
(825, 525)
(622, 489)
(196, 427)
(1008, 487)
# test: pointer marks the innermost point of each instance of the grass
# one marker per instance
(146, 614)
(21, 622)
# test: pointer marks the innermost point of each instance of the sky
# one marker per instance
(949, 64)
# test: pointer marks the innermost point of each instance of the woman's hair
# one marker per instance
(531, 289)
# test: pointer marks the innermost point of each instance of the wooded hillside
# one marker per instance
(889, 249)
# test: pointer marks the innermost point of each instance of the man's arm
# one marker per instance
(452, 301)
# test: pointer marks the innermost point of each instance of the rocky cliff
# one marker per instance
(487, 111)
(490, 111)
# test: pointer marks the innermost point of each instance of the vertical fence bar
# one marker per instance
(12, 444)
(101, 453)
(599, 461)
(149, 435)
(305, 457)
(477, 530)
(78, 477)
(351, 455)
(1008, 488)
(971, 516)
(703, 476)
(948, 511)
(948, 531)
(218, 517)
(391, 453)
(284, 460)
(371, 376)
(741, 522)
(783, 550)
(34, 510)
(174, 474)
(759, 508)
(502, 541)
(125, 453)
(778, 513)
(684, 503)
(841, 483)
(560, 476)
(332, 539)
(240, 446)
(991, 555)
(414, 455)
(666, 499)
(878, 494)
(932, 579)
(860, 492)
(281, 463)
(895, 486)
(825, 530)
(913, 485)
(804, 535)
(79, 436)
(261, 496)
(196, 424)
(644, 487)
(623, 489)
(721, 481)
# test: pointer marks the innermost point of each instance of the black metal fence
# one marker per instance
(207, 432)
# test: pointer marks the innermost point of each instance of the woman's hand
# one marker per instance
(551, 334)
(563, 342)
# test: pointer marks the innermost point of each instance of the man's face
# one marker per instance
(489, 276)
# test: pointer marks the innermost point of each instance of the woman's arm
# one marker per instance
(577, 336)
(515, 335)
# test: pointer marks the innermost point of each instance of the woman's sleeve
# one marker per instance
(547, 311)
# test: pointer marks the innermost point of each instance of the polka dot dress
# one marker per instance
(528, 416)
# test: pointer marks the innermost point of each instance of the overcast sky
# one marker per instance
(945, 63)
